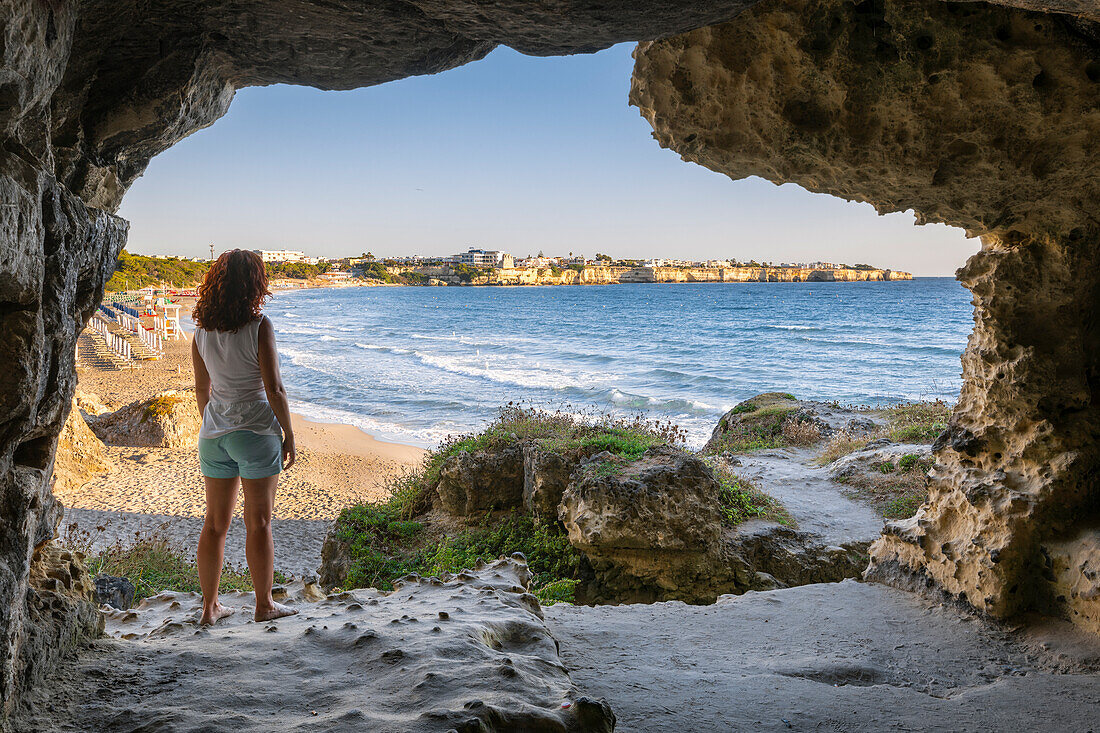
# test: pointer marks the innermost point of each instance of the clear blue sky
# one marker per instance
(512, 152)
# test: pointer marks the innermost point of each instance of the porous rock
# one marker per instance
(472, 483)
(973, 115)
(59, 612)
(649, 528)
(81, 456)
(468, 653)
(166, 420)
(114, 592)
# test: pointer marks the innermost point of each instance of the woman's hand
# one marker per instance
(289, 453)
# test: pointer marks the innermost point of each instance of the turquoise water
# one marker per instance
(415, 364)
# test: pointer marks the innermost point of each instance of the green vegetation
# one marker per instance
(384, 548)
(841, 444)
(161, 406)
(386, 541)
(294, 270)
(415, 278)
(467, 274)
(558, 431)
(377, 271)
(910, 422)
(917, 422)
(577, 267)
(137, 271)
(762, 422)
(895, 490)
(153, 565)
(740, 500)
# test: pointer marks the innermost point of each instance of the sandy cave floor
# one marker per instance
(830, 657)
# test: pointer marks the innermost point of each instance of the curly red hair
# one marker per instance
(232, 293)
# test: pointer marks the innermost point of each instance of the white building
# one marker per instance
(283, 255)
(484, 258)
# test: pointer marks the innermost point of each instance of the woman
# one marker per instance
(243, 404)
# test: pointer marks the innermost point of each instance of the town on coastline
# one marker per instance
(290, 269)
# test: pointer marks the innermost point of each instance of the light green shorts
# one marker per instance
(241, 453)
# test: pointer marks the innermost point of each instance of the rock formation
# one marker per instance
(647, 527)
(975, 116)
(166, 420)
(470, 653)
(443, 275)
(81, 456)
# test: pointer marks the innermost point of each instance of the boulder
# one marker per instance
(90, 405)
(80, 457)
(772, 417)
(875, 454)
(166, 420)
(472, 483)
(546, 476)
(649, 529)
(665, 500)
(115, 592)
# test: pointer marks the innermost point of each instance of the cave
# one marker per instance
(984, 116)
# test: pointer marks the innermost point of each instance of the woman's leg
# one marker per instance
(259, 548)
(221, 499)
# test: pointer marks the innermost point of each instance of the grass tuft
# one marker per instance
(384, 548)
(740, 500)
(153, 563)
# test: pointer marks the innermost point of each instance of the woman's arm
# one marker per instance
(276, 393)
(202, 378)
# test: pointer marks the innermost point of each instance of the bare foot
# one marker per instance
(277, 610)
(211, 616)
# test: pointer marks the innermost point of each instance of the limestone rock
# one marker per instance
(166, 420)
(468, 653)
(649, 528)
(972, 115)
(60, 613)
(115, 592)
(969, 114)
(90, 405)
(766, 417)
(81, 456)
(474, 483)
(664, 501)
(866, 459)
(546, 476)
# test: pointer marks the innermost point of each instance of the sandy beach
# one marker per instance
(160, 490)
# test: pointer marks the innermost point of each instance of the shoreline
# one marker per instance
(159, 493)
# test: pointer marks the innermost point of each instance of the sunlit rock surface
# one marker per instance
(471, 653)
(166, 420)
(975, 116)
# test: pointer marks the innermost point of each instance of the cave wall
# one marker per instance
(90, 91)
(972, 115)
(831, 95)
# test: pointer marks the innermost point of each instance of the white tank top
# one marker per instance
(238, 400)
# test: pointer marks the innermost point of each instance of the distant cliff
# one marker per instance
(613, 275)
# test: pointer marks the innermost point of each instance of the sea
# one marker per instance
(417, 364)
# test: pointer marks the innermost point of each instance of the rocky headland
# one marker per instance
(589, 275)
